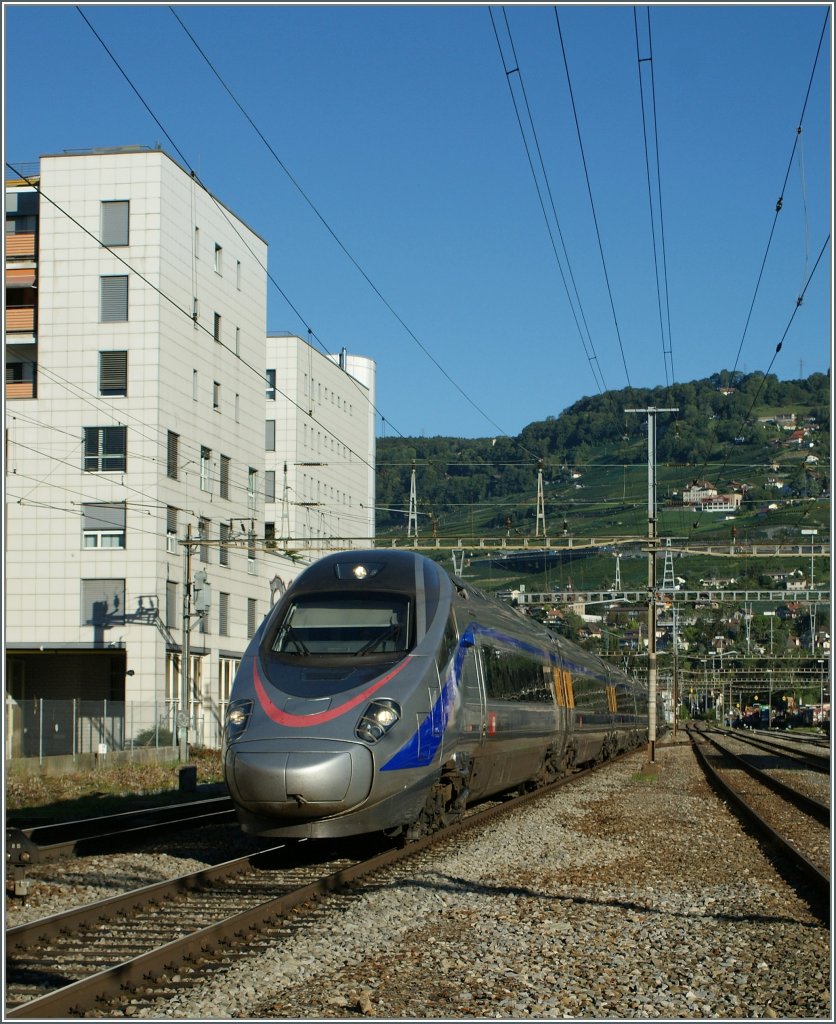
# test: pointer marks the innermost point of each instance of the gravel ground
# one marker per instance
(634, 895)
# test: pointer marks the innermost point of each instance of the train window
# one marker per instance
(513, 676)
(449, 642)
(344, 624)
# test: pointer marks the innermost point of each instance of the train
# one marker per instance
(383, 694)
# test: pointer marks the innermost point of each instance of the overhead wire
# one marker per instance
(339, 242)
(667, 352)
(196, 178)
(586, 342)
(591, 200)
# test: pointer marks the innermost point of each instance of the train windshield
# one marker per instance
(337, 624)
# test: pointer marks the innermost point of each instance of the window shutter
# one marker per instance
(114, 298)
(223, 614)
(104, 516)
(113, 373)
(173, 459)
(115, 222)
(224, 476)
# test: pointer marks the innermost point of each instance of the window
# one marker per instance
(115, 222)
(251, 614)
(225, 476)
(271, 385)
(171, 609)
(270, 435)
(205, 469)
(203, 535)
(113, 374)
(216, 396)
(252, 489)
(343, 623)
(223, 554)
(216, 332)
(171, 529)
(223, 614)
(105, 449)
(102, 602)
(173, 454)
(103, 525)
(270, 485)
(113, 296)
(219, 257)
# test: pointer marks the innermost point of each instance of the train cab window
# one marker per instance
(336, 624)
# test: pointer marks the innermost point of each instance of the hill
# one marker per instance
(763, 439)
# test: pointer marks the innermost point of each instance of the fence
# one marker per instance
(49, 728)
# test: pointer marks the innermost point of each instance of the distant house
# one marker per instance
(720, 503)
(698, 492)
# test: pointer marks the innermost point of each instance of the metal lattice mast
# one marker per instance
(412, 525)
(651, 412)
(541, 505)
(617, 584)
(668, 581)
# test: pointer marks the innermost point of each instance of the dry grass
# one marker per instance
(105, 789)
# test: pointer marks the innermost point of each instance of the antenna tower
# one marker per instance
(412, 525)
(668, 581)
(541, 507)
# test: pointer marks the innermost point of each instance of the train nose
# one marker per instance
(298, 783)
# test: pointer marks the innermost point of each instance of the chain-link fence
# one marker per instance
(49, 728)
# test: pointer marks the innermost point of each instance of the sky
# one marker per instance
(496, 272)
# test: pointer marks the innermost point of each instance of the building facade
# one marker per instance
(319, 491)
(135, 314)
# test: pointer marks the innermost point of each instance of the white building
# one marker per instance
(136, 311)
(319, 482)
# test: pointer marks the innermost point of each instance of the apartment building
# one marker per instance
(135, 314)
(319, 485)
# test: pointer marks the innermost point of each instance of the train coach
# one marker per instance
(382, 694)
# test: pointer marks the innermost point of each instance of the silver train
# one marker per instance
(383, 694)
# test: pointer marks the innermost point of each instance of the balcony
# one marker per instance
(20, 318)
(18, 246)
(20, 389)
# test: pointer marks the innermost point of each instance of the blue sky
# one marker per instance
(398, 124)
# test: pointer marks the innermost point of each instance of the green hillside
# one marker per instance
(767, 440)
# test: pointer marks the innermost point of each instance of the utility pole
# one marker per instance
(185, 653)
(651, 412)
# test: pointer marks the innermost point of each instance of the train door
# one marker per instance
(474, 731)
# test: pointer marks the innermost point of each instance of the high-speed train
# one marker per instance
(383, 694)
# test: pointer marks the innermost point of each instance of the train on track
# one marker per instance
(382, 694)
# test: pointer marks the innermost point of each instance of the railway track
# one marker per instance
(793, 825)
(95, 835)
(149, 943)
(814, 757)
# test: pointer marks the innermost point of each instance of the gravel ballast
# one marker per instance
(634, 893)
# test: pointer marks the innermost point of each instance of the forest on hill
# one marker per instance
(723, 421)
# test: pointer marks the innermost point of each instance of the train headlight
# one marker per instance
(238, 717)
(378, 719)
